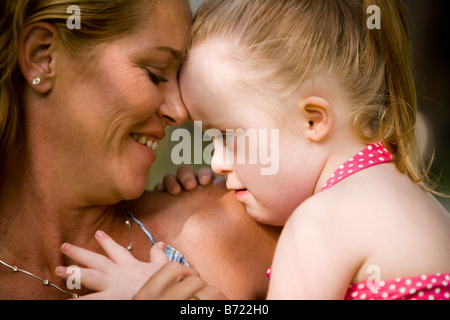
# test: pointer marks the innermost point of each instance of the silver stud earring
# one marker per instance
(36, 81)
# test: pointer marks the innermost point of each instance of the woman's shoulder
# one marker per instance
(214, 232)
(160, 204)
(211, 210)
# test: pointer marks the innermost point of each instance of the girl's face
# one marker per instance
(273, 173)
(108, 114)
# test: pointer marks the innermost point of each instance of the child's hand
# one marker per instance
(185, 178)
(177, 282)
(118, 278)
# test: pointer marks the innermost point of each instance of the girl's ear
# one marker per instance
(317, 117)
(37, 55)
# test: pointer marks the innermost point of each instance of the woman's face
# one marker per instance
(109, 113)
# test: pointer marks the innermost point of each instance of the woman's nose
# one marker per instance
(173, 110)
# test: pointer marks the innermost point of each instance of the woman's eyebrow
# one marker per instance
(178, 55)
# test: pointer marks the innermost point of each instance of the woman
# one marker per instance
(81, 113)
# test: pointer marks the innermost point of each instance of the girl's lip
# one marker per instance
(240, 194)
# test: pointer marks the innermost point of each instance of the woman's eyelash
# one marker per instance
(156, 79)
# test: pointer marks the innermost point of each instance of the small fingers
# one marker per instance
(185, 289)
(115, 252)
(92, 279)
(205, 176)
(171, 184)
(209, 293)
(187, 177)
(170, 274)
(157, 254)
(87, 258)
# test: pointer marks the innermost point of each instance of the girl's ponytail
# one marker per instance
(397, 122)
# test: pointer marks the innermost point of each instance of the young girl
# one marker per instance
(351, 190)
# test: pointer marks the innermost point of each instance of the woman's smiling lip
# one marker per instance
(149, 140)
(145, 140)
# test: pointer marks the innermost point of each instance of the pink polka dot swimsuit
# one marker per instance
(424, 287)
(372, 155)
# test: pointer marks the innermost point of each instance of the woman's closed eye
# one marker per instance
(155, 78)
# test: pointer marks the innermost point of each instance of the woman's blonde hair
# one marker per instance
(297, 39)
(101, 20)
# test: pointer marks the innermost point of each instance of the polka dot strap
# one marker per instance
(424, 287)
(372, 155)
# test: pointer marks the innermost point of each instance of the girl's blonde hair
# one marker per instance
(101, 20)
(297, 39)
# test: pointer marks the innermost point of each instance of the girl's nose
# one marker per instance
(220, 164)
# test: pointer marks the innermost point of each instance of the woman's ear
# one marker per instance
(317, 117)
(37, 55)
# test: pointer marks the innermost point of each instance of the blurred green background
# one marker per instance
(429, 24)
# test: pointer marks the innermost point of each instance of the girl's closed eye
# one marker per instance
(155, 78)
(224, 138)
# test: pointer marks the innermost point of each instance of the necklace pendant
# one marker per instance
(15, 269)
(45, 282)
(130, 246)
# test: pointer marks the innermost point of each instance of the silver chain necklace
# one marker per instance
(45, 282)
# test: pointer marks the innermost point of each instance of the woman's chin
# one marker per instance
(131, 188)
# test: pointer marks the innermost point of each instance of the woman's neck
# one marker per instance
(39, 211)
(35, 222)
